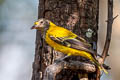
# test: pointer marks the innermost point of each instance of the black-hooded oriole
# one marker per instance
(66, 41)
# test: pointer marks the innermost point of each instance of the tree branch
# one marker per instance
(108, 36)
(109, 29)
(52, 70)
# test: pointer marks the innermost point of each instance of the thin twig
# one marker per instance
(113, 18)
(109, 32)
(109, 29)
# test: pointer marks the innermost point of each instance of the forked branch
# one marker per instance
(109, 29)
(109, 32)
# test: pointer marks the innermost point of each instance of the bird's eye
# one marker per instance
(41, 22)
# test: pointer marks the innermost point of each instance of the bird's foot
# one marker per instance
(62, 59)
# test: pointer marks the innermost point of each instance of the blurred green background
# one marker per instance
(17, 41)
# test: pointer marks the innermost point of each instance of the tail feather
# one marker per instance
(101, 68)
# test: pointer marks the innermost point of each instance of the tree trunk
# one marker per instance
(79, 16)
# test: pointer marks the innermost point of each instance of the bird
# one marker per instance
(65, 41)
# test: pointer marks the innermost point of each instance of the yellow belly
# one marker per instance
(67, 50)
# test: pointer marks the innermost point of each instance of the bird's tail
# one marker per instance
(101, 68)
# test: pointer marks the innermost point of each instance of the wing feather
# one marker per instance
(73, 43)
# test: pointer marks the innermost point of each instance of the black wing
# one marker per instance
(76, 43)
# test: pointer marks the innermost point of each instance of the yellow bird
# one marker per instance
(65, 41)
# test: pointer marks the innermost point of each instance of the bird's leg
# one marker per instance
(65, 57)
(62, 59)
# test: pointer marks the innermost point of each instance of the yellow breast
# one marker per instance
(56, 31)
(64, 49)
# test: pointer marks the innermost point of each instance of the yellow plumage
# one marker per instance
(56, 31)
(65, 41)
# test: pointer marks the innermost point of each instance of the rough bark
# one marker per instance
(79, 16)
